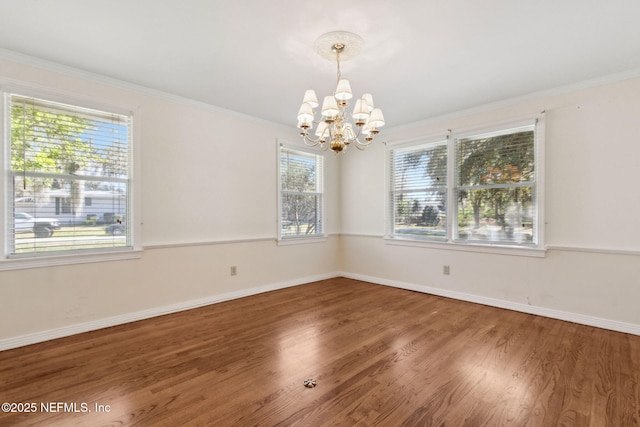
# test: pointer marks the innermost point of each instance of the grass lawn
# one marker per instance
(79, 237)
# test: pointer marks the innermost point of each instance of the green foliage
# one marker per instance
(499, 159)
(502, 159)
(464, 217)
(48, 142)
(403, 212)
(430, 216)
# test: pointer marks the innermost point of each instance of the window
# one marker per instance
(68, 172)
(477, 188)
(301, 193)
(495, 187)
(419, 191)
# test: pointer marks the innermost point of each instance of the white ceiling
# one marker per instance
(421, 58)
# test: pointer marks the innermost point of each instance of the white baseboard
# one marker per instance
(93, 325)
(598, 322)
(51, 334)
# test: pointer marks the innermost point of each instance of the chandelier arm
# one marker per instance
(310, 142)
(358, 133)
(356, 138)
(360, 144)
(320, 146)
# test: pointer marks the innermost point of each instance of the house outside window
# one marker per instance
(301, 193)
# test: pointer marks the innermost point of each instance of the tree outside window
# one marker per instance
(485, 194)
(495, 188)
(301, 193)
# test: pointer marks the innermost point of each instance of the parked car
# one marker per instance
(41, 227)
(117, 229)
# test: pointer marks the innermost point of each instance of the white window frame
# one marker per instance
(35, 260)
(451, 243)
(320, 236)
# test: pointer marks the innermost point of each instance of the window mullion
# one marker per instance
(421, 190)
(66, 177)
(452, 182)
(496, 186)
(301, 193)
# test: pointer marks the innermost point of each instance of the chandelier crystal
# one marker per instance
(333, 129)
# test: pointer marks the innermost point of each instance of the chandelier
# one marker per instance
(333, 130)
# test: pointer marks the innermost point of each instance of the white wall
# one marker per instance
(591, 271)
(209, 201)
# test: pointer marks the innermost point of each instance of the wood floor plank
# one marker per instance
(381, 357)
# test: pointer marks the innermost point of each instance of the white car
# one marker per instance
(41, 227)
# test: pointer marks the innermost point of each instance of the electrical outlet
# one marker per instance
(446, 270)
(234, 270)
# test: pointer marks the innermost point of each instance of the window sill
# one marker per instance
(469, 247)
(49, 261)
(301, 240)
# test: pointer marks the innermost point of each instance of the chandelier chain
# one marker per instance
(338, 63)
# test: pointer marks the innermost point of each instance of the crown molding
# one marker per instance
(66, 70)
(511, 102)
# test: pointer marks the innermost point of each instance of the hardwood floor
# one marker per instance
(381, 357)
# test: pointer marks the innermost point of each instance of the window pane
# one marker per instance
(499, 159)
(419, 186)
(420, 168)
(298, 171)
(497, 215)
(49, 137)
(53, 215)
(420, 215)
(301, 214)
